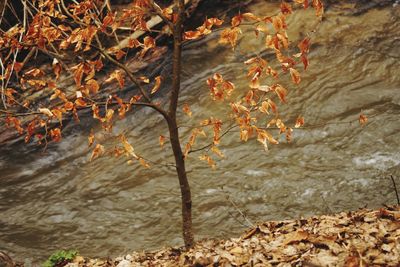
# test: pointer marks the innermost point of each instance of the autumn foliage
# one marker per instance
(83, 39)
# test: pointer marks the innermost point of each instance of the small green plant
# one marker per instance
(60, 258)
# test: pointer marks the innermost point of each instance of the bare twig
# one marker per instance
(227, 196)
(395, 189)
(211, 144)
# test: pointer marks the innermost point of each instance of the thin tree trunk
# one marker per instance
(187, 228)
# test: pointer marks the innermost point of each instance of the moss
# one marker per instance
(60, 258)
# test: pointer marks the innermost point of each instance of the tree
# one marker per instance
(81, 38)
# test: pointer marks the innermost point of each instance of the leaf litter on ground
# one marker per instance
(357, 238)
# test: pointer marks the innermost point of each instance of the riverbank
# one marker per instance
(358, 238)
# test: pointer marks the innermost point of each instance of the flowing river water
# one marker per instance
(107, 207)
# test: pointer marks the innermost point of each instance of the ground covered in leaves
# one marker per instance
(358, 238)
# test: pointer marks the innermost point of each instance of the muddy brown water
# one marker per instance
(108, 208)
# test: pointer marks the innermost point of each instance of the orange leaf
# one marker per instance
(299, 122)
(56, 68)
(69, 105)
(186, 110)
(58, 114)
(319, 7)
(156, 84)
(46, 111)
(236, 20)
(98, 151)
(128, 147)
(34, 73)
(91, 138)
(78, 74)
(281, 92)
(55, 134)
(295, 75)
(93, 86)
(144, 163)
(192, 35)
(216, 151)
(80, 103)
(264, 107)
(304, 45)
(116, 75)
(209, 160)
(363, 119)
(230, 36)
(244, 135)
(286, 8)
(161, 139)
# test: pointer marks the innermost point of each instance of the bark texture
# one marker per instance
(187, 227)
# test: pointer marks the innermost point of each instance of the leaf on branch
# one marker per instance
(230, 36)
(251, 16)
(295, 75)
(303, 2)
(148, 43)
(203, 29)
(56, 68)
(264, 136)
(217, 152)
(362, 119)
(264, 107)
(265, 88)
(144, 163)
(281, 92)
(30, 130)
(78, 74)
(304, 45)
(128, 147)
(109, 115)
(46, 111)
(236, 20)
(161, 139)
(93, 86)
(279, 23)
(55, 134)
(133, 43)
(209, 160)
(186, 110)
(157, 84)
(108, 20)
(98, 151)
(299, 122)
(116, 75)
(289, 134)
(244, 135)
(286, 8)
(16, 122)
(37, 84)
(34, 73)
(69, 106)
(319, 7)
(217, 130)
(91, 139)
(220, 88)
(80, 103)
(96, 113)
(58, 114)
(192, 140)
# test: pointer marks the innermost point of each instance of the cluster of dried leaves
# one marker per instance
(79, 37)
(359, 238)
